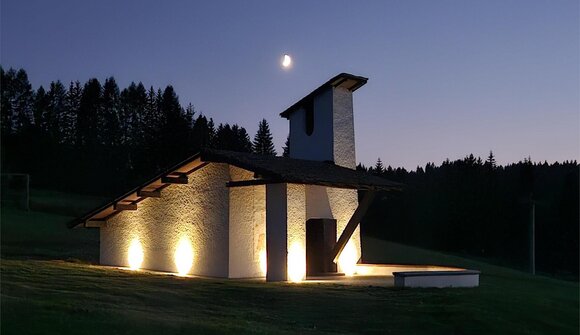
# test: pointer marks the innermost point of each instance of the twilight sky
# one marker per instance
(446, 78)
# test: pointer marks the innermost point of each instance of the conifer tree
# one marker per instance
(379, 167)
(174, 128)
(151, 117)
(17, 101)
(5, 106)
(189, 114)
(242, 139)
(286, 147)
(222, 137)
(57, 113)
(41, 110)
(110, 129)
(23, 101)
(88, 117)
(490, 161)
(133, 101)
(203, 132)
(263, 144)
(69, 117)
(234, 138)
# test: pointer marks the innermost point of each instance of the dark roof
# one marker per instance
(346, 80)
(267, 170)
(299, 171)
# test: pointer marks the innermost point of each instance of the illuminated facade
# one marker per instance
(240, 215)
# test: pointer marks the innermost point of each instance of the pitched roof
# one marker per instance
(267, 169)
(299, 171)
(346, 80)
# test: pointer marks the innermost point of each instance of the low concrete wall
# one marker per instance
(389, 269)
(438, 279)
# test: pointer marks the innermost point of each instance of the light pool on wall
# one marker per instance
(183, 256)
(348, 259)
(135, 254)
(296, 262)
(263, 262)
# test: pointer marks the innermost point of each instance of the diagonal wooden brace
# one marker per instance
(357, 216)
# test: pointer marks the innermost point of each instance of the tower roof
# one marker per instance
(345, 80)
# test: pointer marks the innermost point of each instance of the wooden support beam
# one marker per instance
(175, 178)
(354, 221)
(125, 206)
(252, 182)
(197, 167)
(149, 193)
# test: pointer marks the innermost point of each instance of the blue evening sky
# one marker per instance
(447, 78)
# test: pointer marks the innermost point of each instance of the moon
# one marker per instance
(286, 61)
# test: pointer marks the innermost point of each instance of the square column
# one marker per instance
(276, 232)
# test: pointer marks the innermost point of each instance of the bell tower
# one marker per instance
(322, 123)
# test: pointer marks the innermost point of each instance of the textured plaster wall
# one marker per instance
(332, 139)
(247, 227)
(333, 203)
(343, 128)
(343, 203)
(197, 212)
(317, 202)
(286, 231)
(297, 216)
(333, 135)
(226, 227)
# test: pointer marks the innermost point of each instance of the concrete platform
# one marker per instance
(461, 278)
(389, 269)
(356, 280)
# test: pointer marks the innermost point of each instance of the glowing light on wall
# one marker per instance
(296, 262)
(348, 259)
(263, 262)
(183, 256)
(135, 254)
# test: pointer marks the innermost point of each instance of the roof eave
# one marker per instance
(333, 82)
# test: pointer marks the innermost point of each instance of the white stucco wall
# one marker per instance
(343, 203)
(226, 227)
(333, 203)
(343, 128)
(296, 231)
(317, 202)
(333, 135)
(304, 202)
(197, 212)
(247, 231)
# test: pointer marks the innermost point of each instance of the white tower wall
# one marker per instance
(332, 137)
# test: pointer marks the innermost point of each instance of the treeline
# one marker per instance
(476, 207)
(100, 139)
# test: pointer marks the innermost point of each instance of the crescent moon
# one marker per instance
(287, 61)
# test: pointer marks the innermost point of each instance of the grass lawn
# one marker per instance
(43, 293)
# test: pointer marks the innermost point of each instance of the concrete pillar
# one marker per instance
(276, 232)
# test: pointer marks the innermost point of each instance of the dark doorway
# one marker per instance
(320, 239)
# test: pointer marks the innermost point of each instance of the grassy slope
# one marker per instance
(48, 296)
(41, 232)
